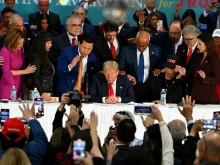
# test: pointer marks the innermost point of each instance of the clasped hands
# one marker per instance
(111, 99)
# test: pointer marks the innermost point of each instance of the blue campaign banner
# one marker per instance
(95, 14)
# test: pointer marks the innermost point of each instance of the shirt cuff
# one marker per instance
(205, 14)
(119, 99)
(69, 68)
(85, 6)
(103, 99)
(190, 122)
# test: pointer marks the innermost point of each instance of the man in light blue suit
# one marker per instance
(68, 64)
(140, 60)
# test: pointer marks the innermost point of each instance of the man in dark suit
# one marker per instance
(130, 59)
(110, 87)
(169, 41)
(69, 63)
(211, 18)
(44, 9)
(68, 38)
(125, 30)
(188, 53)
(150, 90)
(108, 46)
(86, 28)
(150, 6)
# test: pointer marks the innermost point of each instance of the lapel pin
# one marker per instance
(121, 87)
(184, 50)
(197, 51)
(152, 52)
(206, 62)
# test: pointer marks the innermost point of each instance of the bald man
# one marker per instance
(208, 149)
(34, 18)
(141, 59)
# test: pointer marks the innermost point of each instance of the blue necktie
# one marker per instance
(141, 69)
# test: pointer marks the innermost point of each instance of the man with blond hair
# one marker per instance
(110, 87)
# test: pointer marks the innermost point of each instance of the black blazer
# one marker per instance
(124, 88)
(210, 20)
(58, 44)
(182, 52)
(127, 31)
(150, 90)
(54, 19)
(163, 16)
(102, 50)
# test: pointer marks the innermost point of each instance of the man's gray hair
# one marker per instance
(177, 129)
(191, 29)
(80, 7)
(14, 18)
(126, 115)
(110, 65)
(72, 16)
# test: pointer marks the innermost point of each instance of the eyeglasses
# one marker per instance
(76, 25)
(188, 39)
(124, 113)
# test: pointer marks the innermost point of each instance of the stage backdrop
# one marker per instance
(25, 7)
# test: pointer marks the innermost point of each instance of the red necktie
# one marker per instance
(113, 51)
(110, 90)
(74, 42)
(189, 55)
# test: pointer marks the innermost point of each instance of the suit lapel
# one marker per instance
(118, 86)
(192, 58)
(66, 39)
(106, 47)
(151, 53)
(133, 55)
(104, 86)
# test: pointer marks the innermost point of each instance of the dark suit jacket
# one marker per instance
(54, 19)
(67, 79)
(150, 90)
(204, 90)
(127, 31)
(210, 20)
(163, 41)
(124, 88)
(163, 16)
(128, 59)
(182, 52)
(58, 44)
(118, 159)
(89, 29)
(102, 50)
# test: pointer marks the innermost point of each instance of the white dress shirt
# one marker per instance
(146, 62)
(120, 27)
(178, 43)
(114, 89)
(150, 11)
(71, 37)
(84, 61)
(42, 13)
(115, 43)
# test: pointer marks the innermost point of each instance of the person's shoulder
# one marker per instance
(161, 13)
(100, 38)
(60, 37)
(70, 49)
(33, 14)
(4, 50)
(53, 14)
(152, 46)
(88, 26)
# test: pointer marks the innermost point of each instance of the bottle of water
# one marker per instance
(13, 94)
(163, 96)
(35, 93)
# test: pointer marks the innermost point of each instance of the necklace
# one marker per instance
(166, 82)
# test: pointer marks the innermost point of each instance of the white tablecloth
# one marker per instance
(105, 113)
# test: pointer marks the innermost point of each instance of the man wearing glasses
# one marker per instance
(169, 41)
(188, 52)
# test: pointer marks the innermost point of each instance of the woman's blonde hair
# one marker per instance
(12, 39)
(15, 156)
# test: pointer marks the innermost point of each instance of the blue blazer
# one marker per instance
(128, 59)
(89, 29)
(124, 88)
(67, 79)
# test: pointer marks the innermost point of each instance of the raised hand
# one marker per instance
(74, 61)
(27, 112)
(147, 121)
(209, 8)
(177, 6)
(187, 108)
(156, 114)
(112, 151)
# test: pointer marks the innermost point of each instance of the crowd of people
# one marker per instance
(117, 63)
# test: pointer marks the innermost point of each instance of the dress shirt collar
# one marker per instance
(114, 83)
(193, 48)
(150, 11)
(180, 41)
(145, 51)
(42, 13)
(71, 37)
(120, 27)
